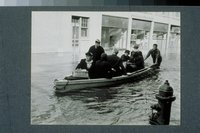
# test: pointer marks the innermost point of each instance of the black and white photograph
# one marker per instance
(105, 68)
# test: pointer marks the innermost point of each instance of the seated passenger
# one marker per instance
(136, 60)
(116, 64)
(102, 68)
(125, 57)
(86, 63)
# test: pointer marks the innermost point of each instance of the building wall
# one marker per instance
(52, 30)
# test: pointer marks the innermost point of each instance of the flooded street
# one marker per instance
(126, 104)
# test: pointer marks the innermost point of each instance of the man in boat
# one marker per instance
(102, 68)
(156, 56)
(125, 57)
(96, 50)
(136, 61)
(116, 64)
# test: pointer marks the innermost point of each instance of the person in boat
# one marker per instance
(96, 50)
(116, 64)
(87, 62)
(136, 61)
(156, 56)
(102, 68)
(125, 57)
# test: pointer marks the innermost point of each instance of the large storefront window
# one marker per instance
(174, 40)
(140, 33)
(114, 32)
(160, 36)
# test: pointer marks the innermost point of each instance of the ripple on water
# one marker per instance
(126, 104)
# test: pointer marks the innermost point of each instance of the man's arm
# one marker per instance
(80, 64)
(148, 54)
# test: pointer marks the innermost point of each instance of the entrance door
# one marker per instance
(75, 37)
(75, 30)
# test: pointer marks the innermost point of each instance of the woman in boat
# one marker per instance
(102, 68)
(136, 61)
(87, 62)
(116, 64)
(86, 65)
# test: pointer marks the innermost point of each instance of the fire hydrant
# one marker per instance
(163, 108)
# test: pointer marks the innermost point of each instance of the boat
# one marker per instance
(63, 86)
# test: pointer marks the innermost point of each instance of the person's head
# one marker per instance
(103, 56)
(127, 52)
(115, 51)
(97, 43)
(89, 56)
(155, 46)
(135, 46)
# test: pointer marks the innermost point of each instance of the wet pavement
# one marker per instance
(126, 104)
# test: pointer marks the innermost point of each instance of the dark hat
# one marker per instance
(97, 41)
(89, 54)
(136, 46)
(127, 51)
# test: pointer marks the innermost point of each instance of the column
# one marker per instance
(151, 35)
(128, 45)
(168, 37)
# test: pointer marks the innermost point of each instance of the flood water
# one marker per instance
(126, 104)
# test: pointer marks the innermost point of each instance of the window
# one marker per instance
(84, 27)
(79, 29)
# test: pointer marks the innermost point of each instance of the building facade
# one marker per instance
(75, 32)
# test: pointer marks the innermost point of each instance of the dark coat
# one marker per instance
(102, 69)
(96, 52)
(155, 54)
(116, 64)
(83, 65)
(125, 58)
(136, 60)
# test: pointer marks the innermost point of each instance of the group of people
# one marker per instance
(100, 65)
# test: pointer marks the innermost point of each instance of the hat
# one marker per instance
(127, 51)
(97, 41)
(136, 46)
(89, 54)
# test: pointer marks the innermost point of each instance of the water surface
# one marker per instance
(126, 104)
